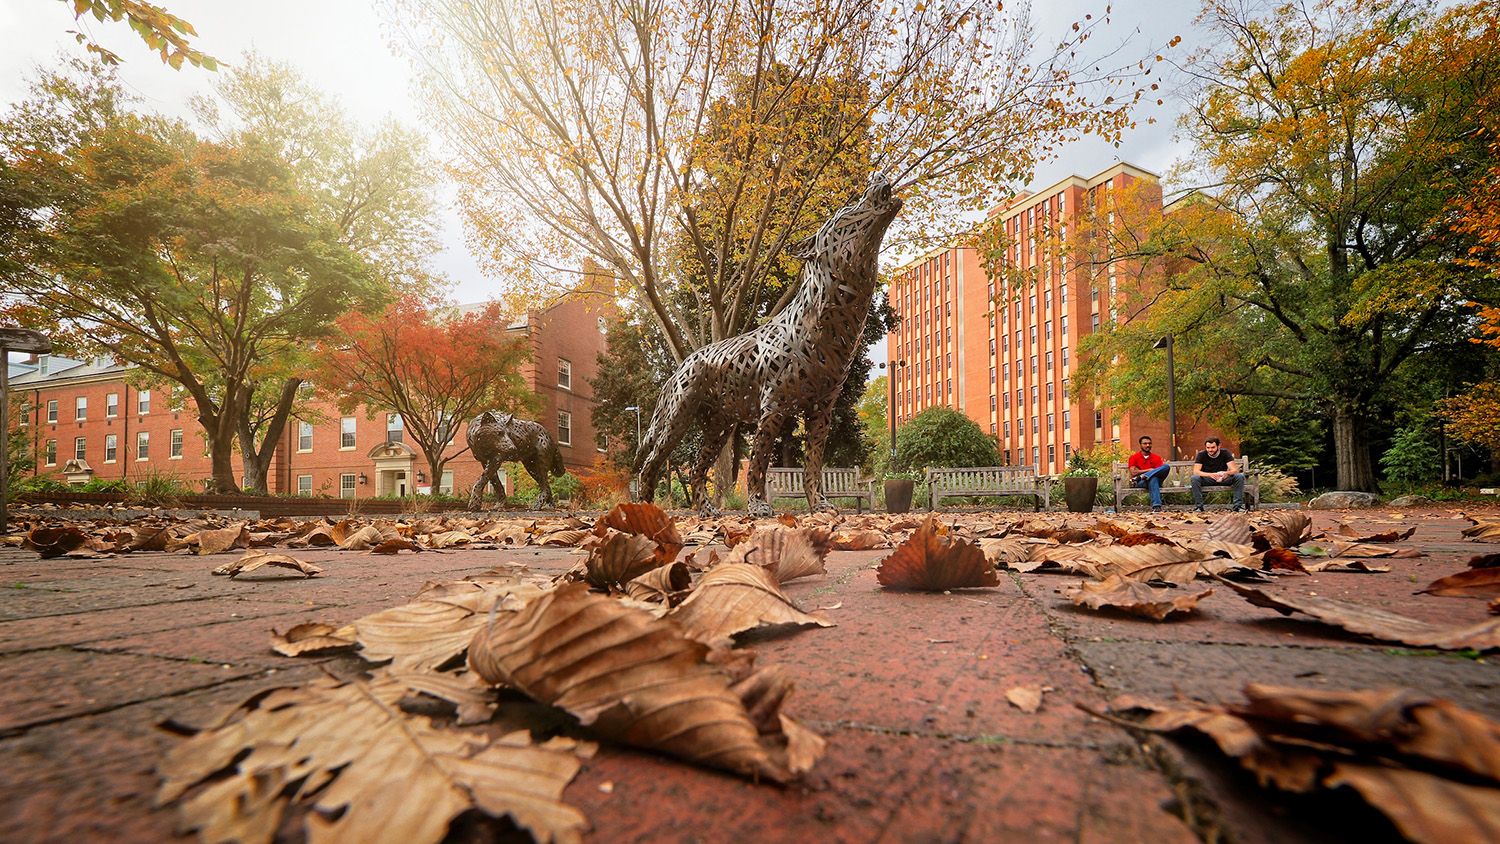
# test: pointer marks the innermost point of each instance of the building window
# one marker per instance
(395, 429)
(52, 410)
(992, 429)
(143, 445)
(175, 397)
(346, 485)
(1064, 326)
(1049, 329)
(1036, 455)
(1007, 400)
(445, 487)
(346, 432)
(1033, 363)
(143, 402)
(992, 404)
(1049, 361)
(1036, 424)
(1098, 419)
(1062, 296)
(111, 448)
(81, 408)
(1065, 389)
(1033, 393)
(992, 375)
(1049, 391)
(112, 405)
(564, 428)
(1051, 454)
(174, 446)
(565, 374)
(603, 326)
(1050, 418)
(304, 486)
(1096, 322)
(304, 436)
(1032, 334)
(80, 447)
(1065, 357)
(1067, 418)
(51, 453)
(1007, 428)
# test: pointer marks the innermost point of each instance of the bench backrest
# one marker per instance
(1019, 478)
(791, 479)
(1179, 475)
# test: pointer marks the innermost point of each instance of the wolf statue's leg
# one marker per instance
(715, 433)
(669, 424)
(818, 426)
(536, 467)
(476, 495)
(772, 417)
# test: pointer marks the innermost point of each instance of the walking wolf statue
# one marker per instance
(497, 437)
(794, 365)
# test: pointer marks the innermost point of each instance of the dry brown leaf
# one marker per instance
(311, 637)
(1469, 583)
(930, 562)
(256, 559)
(1028, 699)
(225, 539)
(563, 538)
(787, 519)
(1148, 562)
(1285, 529)
(1377, 623)
(1232, 529)
(638, 680)
(1134, 597)
(735, 532)
(473, 700)
(1484, 561)
(666, 584)
(1282, 559)
(860, 540)
(395, 545)
(649, 521)
(52, 542)
(787, 553)
(1348, 531)
(734, 597)
(149, 539)
(1425, 808)
(382, 775)
(1483, 530)
(435, 628)
(449, 539)
(1012, 552)
(1356, 550)
(619, 559)
(1345, 565)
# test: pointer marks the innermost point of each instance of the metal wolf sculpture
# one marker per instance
(794, 365)
(497, 437)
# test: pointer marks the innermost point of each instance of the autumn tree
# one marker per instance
(161, 31)
(1316, 264)
(685, 144)
(437, 367)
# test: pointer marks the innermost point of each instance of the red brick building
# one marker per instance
(1008, 362)
(87, 419)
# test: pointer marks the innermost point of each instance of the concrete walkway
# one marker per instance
(909, 690)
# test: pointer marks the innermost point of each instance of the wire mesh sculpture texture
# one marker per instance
(497, 438)
(794, 365)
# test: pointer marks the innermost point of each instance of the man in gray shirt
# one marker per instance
(1215, 466)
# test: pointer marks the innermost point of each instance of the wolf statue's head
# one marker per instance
(849, 241)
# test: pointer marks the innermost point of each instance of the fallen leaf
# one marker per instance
(450, 538)
(1285, 529)
(1424, 807)
(666, 584)
(1283, 559)
(1469, 583)
(1385, 536)
(1484, 561)
(563, 538)
(788, 553)
(473, 700)
(52, 542)
(649, 521)
(734, 597)
(1483, 531)
(1377, 623)
(1346, 565)
(1232, 528)
(1028, 699)
(1134, 597)
(1168, 563)
(256, 559)
(639, 680)
(929, 562)
(345, 748)
(1008, 552)
(395, 545)
(311, 638)
(225, 539)
(1357, 550)
(618, 559)
(435, 628)
(860, 540)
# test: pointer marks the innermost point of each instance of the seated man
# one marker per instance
(1215, 466)
(1147, 471)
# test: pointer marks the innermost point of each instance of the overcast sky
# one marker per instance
(341, 46)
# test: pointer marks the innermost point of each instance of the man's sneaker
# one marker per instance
(1199, 508)
(1156, 508)
(1239, 508)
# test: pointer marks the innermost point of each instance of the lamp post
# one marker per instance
(892, 414)
(637, 456)
(18, 340)
(1166, 343)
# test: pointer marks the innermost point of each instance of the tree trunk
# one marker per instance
(1351, 450)
(222, 450)
(723, 473)
(255, 471)
(257, 457)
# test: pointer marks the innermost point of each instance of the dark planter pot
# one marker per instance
(1081, 492)
(898, 495)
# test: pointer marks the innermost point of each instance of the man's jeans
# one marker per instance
(1151, 481)
(1237, 480)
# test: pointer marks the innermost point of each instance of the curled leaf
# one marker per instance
(664, 584)
(312, 637)
(1134, 597)
(788, 553)
(620, 558)
(1469, 583)
(928, 561)
(647, 520)
(256, 559)
(734, 597)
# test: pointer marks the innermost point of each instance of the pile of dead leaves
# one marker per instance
(484, 694)
(1430, 766)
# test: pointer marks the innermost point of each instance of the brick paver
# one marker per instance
(908, 689)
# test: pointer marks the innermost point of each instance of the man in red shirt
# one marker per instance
(1147, 471)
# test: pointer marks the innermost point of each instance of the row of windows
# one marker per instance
(111, 447)
(111, 407)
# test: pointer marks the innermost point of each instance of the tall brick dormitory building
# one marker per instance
(86, 420)
(1008, 363)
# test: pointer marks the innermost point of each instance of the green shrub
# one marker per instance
(1413, 456)
(159, 489)
(942, 436)
(35, 483)
(566, 487)
(734, 499)
(106, 485)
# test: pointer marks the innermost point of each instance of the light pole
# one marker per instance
(637, 457)
(1166, 343)
(891, 374)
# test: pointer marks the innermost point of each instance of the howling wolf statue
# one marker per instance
(794, 365)
(497, 437)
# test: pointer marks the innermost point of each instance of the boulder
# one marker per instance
(1411, 501)
(1343, 500)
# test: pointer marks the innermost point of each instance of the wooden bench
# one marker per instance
(782, 482)
(1179, 479)
(987, 482)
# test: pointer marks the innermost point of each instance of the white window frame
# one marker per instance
(565, 374)
(142, 445)
(52, 411)
(80, 408)
(348, 433)
(564, 428)
(304, 486)
(445, 484)
(80, 448)
(304, 434)
(111, 448)
(174, 444)
(347, 482)
(143, 403)
(394, 424)
(111, 405)
(49, 453)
